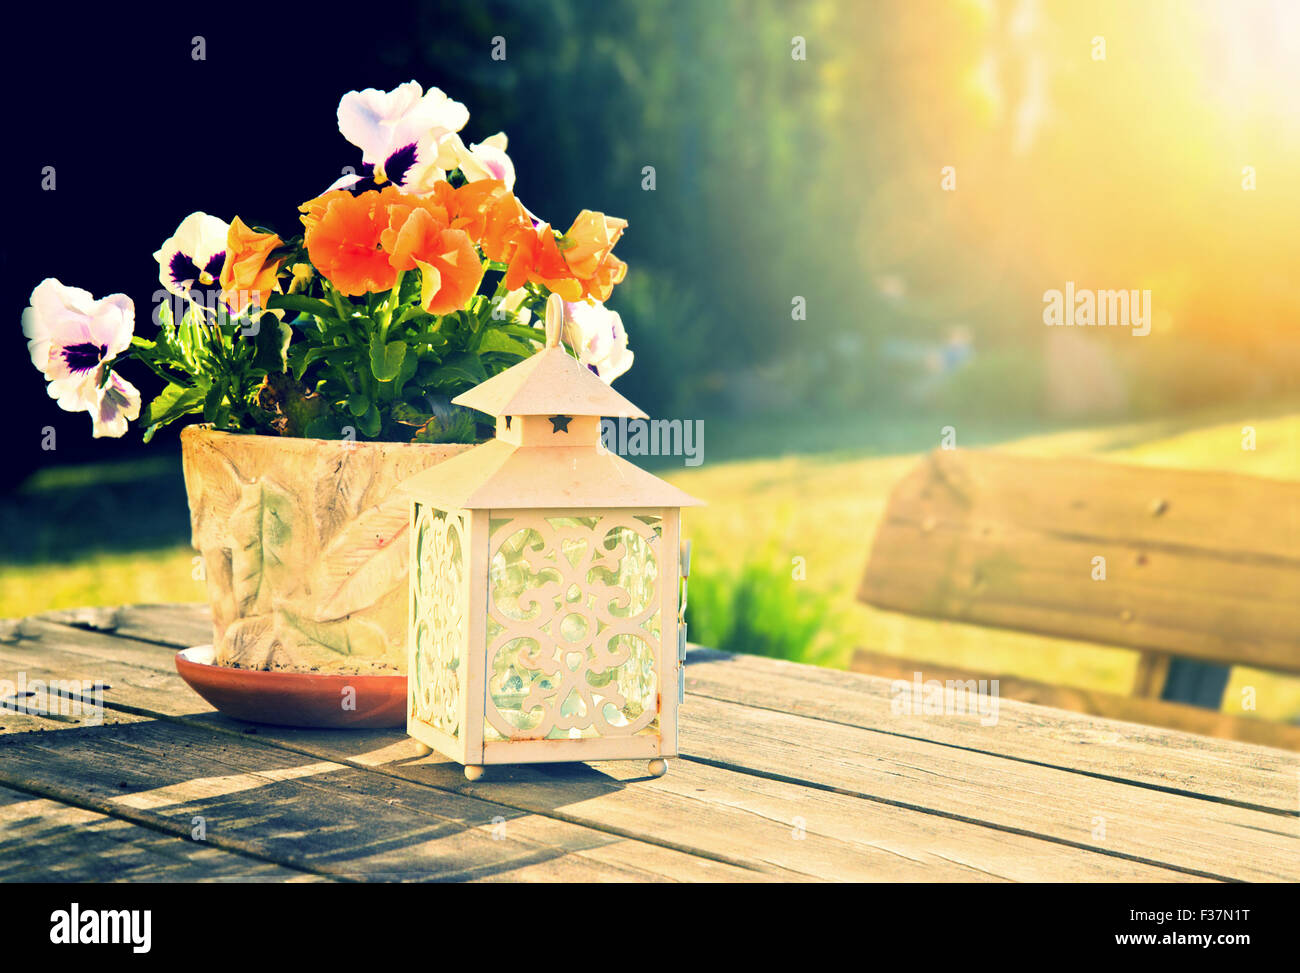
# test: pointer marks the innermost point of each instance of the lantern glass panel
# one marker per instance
(574, 626)
(439, 597)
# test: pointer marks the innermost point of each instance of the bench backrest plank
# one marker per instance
(1197, 564)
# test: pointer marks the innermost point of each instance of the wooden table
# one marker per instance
(788, 772)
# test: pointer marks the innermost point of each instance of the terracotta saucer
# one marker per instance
(306, 699)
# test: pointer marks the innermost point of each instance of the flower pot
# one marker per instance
(305, 548)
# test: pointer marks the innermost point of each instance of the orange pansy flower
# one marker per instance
(451, 271)
(537, 258)
(419, 235)
(589, 253)
(247, 275)
(469, 206)
(343, 240)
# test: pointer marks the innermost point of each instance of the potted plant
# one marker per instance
(322, 365)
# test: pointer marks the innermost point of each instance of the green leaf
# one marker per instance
(409, 365)
(409, 415)
(386, 360)
(359, 404)
(301, 303)
(459, 427)
(371, 422)
(323, 427)
(417, 315)
(271, 344)
(459, 370)
(526, 333)
(300, 356)
(212, 405)
(495, 339)
(170, 404)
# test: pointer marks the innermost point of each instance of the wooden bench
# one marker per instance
(1201, 572)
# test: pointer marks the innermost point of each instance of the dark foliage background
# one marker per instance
(140, 134)
(775, 178)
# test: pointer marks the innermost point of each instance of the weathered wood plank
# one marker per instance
(1202, 565)
(608, 819)
(1198, 837)
(810, 832)
(1150, 756)
(1133, 709)
(313, 815)
(1248, 518)
(181, 625)
(696, 809)
(47, 841)
(142, 670)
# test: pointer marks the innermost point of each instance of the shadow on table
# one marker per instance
(308, 811)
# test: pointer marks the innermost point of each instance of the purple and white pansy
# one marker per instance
(190, 261)
(597, 334)
(71, 338)
(399, 133)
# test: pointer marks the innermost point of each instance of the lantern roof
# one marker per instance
(505, 474)
(502, 475)
(550, 383)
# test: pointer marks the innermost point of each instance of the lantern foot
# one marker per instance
(423, 749)
(657, 767)
(473, 771)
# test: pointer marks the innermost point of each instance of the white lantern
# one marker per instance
(546, 587)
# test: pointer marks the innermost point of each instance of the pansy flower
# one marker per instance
(399, 133)
(536, 258)
(484, 160)
(449, 264)
(193, 257)
(597, 334)
(71, 336)
(248, 275)
(343, 239)
(588, 250)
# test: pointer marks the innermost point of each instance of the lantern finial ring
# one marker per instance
(554, 320)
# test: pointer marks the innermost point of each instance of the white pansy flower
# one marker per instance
(483, 160)
(596, 333)
(71, 336)
(399, 133)
(191, 258)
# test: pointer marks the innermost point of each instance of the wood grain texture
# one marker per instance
(716, 816)
(1132, 709)
(1147, 756)
(304, 547)
(1203, 565)
(789, 772)
(46, 841)
(311, 815)
(1198, 837)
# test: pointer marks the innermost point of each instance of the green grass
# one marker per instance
(118, 534)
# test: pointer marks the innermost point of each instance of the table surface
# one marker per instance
(788, 773)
